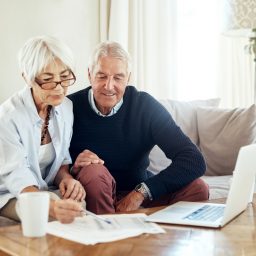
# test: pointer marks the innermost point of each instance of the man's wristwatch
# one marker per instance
(141, 189)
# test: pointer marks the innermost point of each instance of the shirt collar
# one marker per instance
(96, 110)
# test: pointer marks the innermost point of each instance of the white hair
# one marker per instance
(39, 51)
(109, 49)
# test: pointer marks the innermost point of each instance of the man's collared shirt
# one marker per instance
(95, 109)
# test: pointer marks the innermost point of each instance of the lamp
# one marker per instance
(240, 20)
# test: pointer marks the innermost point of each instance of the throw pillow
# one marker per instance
(184, 114)
(221, 134)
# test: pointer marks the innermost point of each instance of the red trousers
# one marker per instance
(101, 196)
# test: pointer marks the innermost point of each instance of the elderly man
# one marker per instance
(115, 128)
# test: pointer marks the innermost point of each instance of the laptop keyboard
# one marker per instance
(207, 213)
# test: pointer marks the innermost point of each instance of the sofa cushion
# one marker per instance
(218, 186)
(221, 134)
(184, 114)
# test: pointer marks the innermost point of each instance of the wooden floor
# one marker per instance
(236, 238)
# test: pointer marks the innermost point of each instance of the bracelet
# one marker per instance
(71, 170)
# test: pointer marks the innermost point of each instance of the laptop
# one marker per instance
(211, 214)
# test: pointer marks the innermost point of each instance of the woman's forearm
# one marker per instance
(62, 173)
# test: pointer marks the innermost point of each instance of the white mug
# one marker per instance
(33, 210)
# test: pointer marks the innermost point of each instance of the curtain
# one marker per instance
(236, 71)
(142, 28)
(178, 50)
(176, 46)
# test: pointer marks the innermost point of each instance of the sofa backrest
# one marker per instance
(219, 133)
(222, 132)
(184, 114)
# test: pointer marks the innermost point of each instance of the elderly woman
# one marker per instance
(35, 132)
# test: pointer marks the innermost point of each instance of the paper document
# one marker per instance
(88, 230)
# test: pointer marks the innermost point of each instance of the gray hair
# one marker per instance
(39, 51)
(109, 49)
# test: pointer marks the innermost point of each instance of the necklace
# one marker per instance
(46, 123)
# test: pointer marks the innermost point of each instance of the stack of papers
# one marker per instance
(89, 230)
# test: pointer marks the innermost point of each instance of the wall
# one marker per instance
(75, 22)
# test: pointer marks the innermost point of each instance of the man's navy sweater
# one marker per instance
(125, 139)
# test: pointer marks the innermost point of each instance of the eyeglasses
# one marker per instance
(52, 85)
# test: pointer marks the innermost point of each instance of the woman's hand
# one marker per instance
(71, 188)
(65, 211)
(85, 158)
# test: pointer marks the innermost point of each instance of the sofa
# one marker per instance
(219, 133)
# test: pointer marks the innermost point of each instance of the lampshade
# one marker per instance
(240, 18)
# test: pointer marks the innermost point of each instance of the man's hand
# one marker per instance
(130, 202)
(85, 158)
(71, 188)
(65, 211)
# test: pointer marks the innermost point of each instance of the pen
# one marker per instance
(96, 216)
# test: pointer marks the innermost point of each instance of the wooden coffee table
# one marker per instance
(236, 238)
